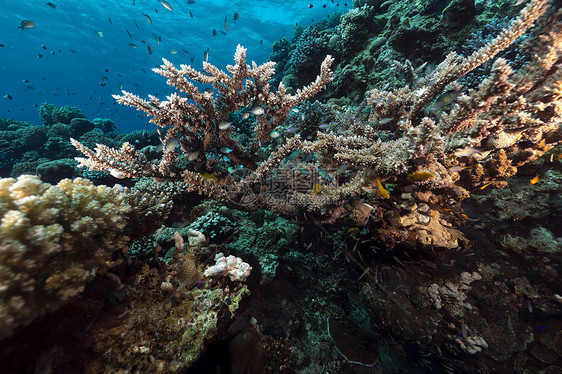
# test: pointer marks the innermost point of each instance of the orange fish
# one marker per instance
(421, 176)
(384, 193)
(535, 179)
(486, 185)
(468, 218)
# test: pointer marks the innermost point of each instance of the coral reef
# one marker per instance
(429, 141)
(51, 114)
(53, 239)
(421, 227)
(44, 150)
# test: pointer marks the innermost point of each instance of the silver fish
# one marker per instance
(225, 125)
(166, 4)
(26, 24)
(147, 17)
(257, 110)
(170, 144)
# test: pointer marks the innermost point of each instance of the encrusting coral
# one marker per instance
(430, 141)
(54, 238)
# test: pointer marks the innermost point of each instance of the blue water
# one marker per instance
(76, 59)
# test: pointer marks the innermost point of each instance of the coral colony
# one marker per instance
(260, 208)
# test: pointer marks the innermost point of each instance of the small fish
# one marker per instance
(324, 126)
(445, 99)
(2, 45)
(208, 176)
(192, 156)
(226, 150)
(8, 96)
(317, 188)
(421, 176)
(170, 144)
(225, 125)
(109, 19)
(342, 169)
(382, 191)
(26, 24)
(150, 50)
(274, 134)
(535, 179)
(99, 33)
(222, 32)
(173, 51)
(128, 33)
(51, 5)
(133, 45)
(209, 90)
(206, 55)
(293, 156)
(184, 51)
(257, 110)
(147, 18)
(456, 169)
(236, 16)
(468, 218)
(464, 330)
(166, 4)
(468, 151)
(225, 25)
(190, 14)
(246, 115)
(324, 175)
(293, 129)
(384, 121)
(115, 173)
(214, 32)
(485, 185)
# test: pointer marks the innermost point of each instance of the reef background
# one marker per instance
(315, 292)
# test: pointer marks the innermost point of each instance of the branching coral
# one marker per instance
(412, 140)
